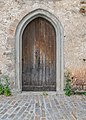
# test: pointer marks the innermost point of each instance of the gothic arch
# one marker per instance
(59, 47)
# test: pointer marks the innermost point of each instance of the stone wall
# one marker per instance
(73, 22)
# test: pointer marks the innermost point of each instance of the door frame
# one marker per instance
(59, 47)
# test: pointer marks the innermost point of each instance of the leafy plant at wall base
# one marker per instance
(1, 89)
(84, 93)
(7, 91)
(68, 89)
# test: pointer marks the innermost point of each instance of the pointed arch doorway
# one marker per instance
(39, 56)
(39, 53)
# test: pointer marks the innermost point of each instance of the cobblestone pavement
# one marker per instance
(42, 107)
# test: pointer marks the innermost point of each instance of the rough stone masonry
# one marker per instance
(73, 22)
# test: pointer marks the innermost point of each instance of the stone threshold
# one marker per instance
(39, 93)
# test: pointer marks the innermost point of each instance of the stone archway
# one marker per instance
(59, 47)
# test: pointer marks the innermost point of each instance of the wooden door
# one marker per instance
(39, 56)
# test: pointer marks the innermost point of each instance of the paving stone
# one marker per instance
(28, 116)
(17, 109)
(37, 117)
(43, 113)
(28, 108)
(12, 116)
(43, 118)
(16, 118)
(4, 111)
(5, 116)
(38, 107)
(10, 110)
(37, 111)
(32, 117)
(23, 115)
(21, 111)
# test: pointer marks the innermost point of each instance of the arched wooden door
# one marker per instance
(39, 56)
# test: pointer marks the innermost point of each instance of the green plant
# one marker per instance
(7, 90)
(1, 89)
(5, 85)
(68, 88)
(84, 93)
(80, 93)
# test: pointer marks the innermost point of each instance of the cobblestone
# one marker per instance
(42, 107)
